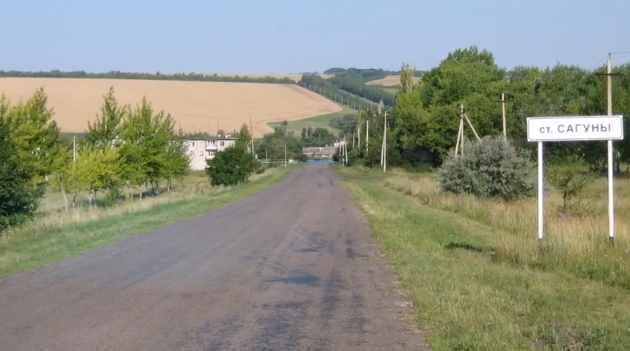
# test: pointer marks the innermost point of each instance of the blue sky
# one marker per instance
(298, 35)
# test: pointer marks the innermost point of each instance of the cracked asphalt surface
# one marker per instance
(294, 267)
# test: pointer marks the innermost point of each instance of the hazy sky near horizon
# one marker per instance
(298, 35)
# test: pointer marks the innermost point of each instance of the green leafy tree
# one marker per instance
(177, 161)
(106, 130)
(34, 134)
(146, 136)
(98, 169)
(64, 175)
(233, 165)
(19, 199)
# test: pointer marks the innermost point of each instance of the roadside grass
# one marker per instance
(573, 244)
(451, 256)
(56, 235)
(322, 121)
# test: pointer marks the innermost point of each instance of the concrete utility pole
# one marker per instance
(503, 112)
(252, 129)
(74, 149)
(359, 131)
(503, 101)
(460, 131)
(345, 150)
(367, 135)
(384, 146)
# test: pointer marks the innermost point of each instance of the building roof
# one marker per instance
(209, 138)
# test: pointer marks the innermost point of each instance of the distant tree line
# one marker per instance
(355, 85)
(327, 89)
(368, 74)
(350, 84)
(146, 76)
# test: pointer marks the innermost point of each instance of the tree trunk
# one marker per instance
(65, 198)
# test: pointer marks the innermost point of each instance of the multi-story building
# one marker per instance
(202, 149)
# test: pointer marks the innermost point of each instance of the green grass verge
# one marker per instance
(464, 300)
(49, 245)
(322, 121)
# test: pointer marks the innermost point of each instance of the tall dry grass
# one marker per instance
(52, 213)
(575, 244)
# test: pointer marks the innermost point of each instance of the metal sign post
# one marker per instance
(575, 128)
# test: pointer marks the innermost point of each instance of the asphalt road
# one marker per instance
(293, 267)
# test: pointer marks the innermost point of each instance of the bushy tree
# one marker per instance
(64, 175)
(98, 169)
(233, 165)
(106, 130)
(489, 168)
(147, 149)
(34, 133)
(19, 199)
(177, 164)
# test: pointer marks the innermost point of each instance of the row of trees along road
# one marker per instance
(126, 148)
(423, 123)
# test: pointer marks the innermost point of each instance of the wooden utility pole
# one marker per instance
(611, 216)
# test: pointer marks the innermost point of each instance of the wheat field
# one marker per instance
(389, 81)
(195, 106)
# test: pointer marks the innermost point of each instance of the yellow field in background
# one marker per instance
(196, 106)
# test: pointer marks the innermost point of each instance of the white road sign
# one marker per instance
(575, 128)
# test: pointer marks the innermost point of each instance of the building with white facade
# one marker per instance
(202, 149)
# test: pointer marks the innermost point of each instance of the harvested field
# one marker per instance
(388, 81)
(196, 106)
